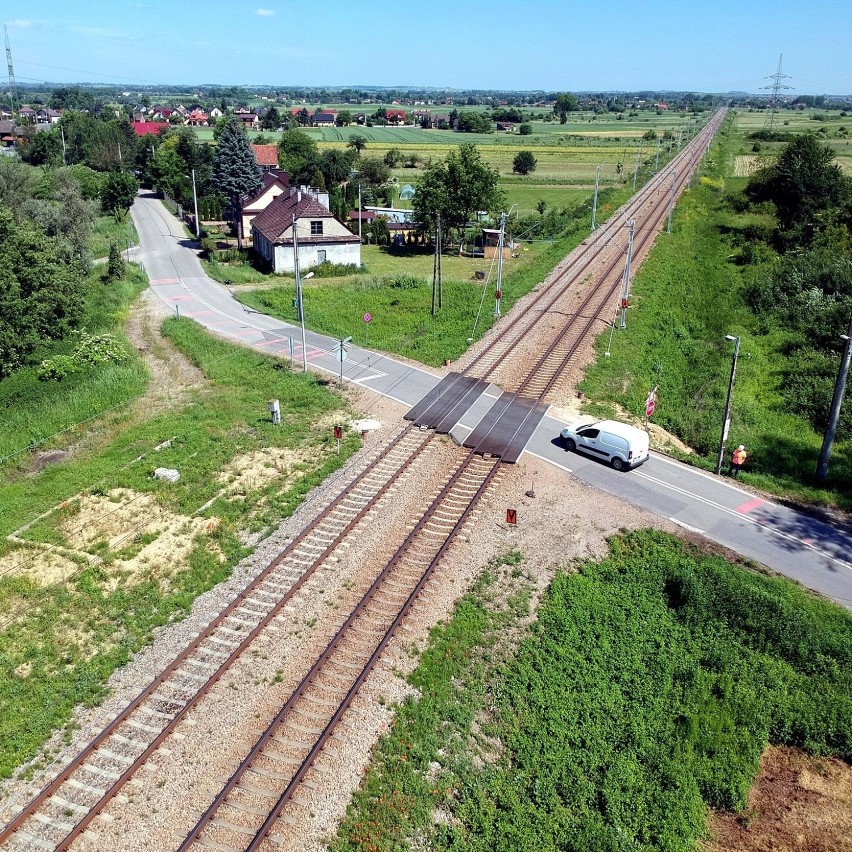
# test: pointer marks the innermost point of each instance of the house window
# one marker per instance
(316, 229)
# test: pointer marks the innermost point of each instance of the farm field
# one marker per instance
(831, 127)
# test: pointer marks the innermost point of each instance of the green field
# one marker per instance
(643, 694)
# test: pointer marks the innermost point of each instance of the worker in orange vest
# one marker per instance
(738, 459)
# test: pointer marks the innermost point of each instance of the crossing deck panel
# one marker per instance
(506, 428)
(454, 393)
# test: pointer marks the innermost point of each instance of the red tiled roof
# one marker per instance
(278, 217)
(146, 128)
(267, 179)
(265, 155)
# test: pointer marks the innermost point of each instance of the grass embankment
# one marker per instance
(687, 296)
(644, 694)
(69, 619)
(35, 410)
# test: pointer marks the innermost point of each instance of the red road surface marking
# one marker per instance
(749, 506)
(165, 281)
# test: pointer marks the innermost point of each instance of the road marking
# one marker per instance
(687, 526)
(549, 461)
(753, 521)
(750, 506)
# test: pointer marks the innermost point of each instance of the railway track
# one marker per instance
(261, 795)
(66, 806)
(241, 817)
(581, 262)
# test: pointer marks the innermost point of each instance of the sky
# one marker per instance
(726, 45)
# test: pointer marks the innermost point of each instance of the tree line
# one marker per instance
(800, 286)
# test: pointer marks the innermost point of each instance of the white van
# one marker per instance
(620, 444)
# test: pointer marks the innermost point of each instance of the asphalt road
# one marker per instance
(789, 542)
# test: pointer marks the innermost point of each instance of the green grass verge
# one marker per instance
(686, 298)
(644, 694)
(401, 306)
(36, 410)
(107, 231)
(60, 640)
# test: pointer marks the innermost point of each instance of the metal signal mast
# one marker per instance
(776, 88)
(11, 69)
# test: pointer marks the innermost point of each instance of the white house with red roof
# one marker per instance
(272, 185)
(197, 118)
(319, 236)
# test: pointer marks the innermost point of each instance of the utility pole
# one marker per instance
(11, 70)
(300, 313)
(836, 402)
(360, 239)
(195, 203)
(62, 134)
(657, 158)
(671, 202)
(437, 275)
(498, 294)
(625, 293)
(595, 202)
(726, 423)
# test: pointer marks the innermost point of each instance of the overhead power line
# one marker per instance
(777, 86)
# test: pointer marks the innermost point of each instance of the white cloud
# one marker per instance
(19, 25)
(265, 13)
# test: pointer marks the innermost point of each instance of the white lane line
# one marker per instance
(687, 526)
(764, 526)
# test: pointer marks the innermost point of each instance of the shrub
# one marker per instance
(115, 266)
(56, 368)
(93, 350)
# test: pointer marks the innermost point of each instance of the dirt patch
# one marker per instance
(46, 568)
(797, 802)
(172, 376)
(146, 536)
(255, 470)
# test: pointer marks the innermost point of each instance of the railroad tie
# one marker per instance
(32, 840)
(230, 826)
(86, 788)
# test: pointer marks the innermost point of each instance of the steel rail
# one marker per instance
(17, 823)
(648, 233)
(256, 751)
(591, 248)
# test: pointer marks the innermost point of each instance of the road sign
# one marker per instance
(651, 402)
(339, 350)
(368, 317)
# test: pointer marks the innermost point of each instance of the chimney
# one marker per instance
(299, 195)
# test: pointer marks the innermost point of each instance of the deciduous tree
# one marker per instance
(118, 194)
(524, 163)
(457, 188)
(565, 103)
(41, 290)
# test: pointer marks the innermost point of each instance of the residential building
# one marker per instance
(319, 236)
(273, 184)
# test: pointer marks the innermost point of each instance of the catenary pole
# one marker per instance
(836, 402)
(727, 418)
